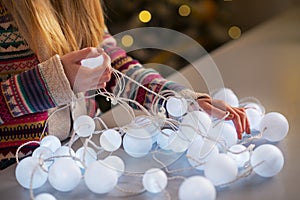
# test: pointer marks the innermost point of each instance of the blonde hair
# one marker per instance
(58, 26)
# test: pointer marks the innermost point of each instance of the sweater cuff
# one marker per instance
(56, 81)
(187, 93)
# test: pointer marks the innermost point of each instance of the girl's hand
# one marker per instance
(83, 78)
(218, 109)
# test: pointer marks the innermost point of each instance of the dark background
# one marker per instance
(208, 22)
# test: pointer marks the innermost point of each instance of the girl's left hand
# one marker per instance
(219, 108)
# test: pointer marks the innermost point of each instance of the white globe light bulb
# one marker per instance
(64, 152)
(239, 153)
(163, 140)
(197, 187)
(45, 196)
(194, 122)
(267, 160)
(137, 142)
(223, 132)
(150, 125)
(200, 151)
(254, 117)
(92, 62)
(110, 140)
(155, 180)
(274, 127)
(177, 142)
(84, 126)
(255, 106)
(99, 178)
(86, 155)
(50, 141)
(43, 153)
(26, 168)
(227, 95)
(176, 106)
(64, 175)
(115, 163)
(220, 169)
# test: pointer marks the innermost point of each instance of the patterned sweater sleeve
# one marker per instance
(145, 76)
(36, 90)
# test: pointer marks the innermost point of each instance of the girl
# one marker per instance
(41, 45)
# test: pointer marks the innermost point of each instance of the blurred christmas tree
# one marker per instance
(206, 21)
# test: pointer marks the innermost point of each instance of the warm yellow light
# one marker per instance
(234, 32)
(127, 40)
(184, 10)
(145, 16)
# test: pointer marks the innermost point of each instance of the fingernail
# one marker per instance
(248, 130)
(100, 50)
(239, 136)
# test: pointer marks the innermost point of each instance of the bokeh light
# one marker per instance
(145, 16)
(234, 32)
(127, 40)
(184, 10)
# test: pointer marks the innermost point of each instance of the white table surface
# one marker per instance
(264, 63)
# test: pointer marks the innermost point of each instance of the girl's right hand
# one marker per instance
(82, 78)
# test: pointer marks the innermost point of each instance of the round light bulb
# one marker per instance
(176, 106)
(64, 152)
(155, 180)
(92, 62)
(220, 169)
(151, 126)
(50, 141)
(255, 106)
(99, 178)
(197, 187)
(26, 168)
(43, 153)
(200, 151)
(239, 153)
(274, 127)
(115, 163)
(84, 126)
(110, 140)
(87, 155)
(45, 196)
(176, 142)
(267, 160)
(254, 116)
(223, 132)
(64, 175)
(194, 122)
(227, 95)
(163, 138)
(137, 142)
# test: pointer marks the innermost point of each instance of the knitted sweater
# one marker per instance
(29, 90)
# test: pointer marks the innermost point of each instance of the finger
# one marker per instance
(106, 60)
(105, 77)
(102, 85)
(236, 115)
(100, 50)
(245, 120)
(211, 110)
(237, 122)
(248, 130)
(102, 74)
(219, 108)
